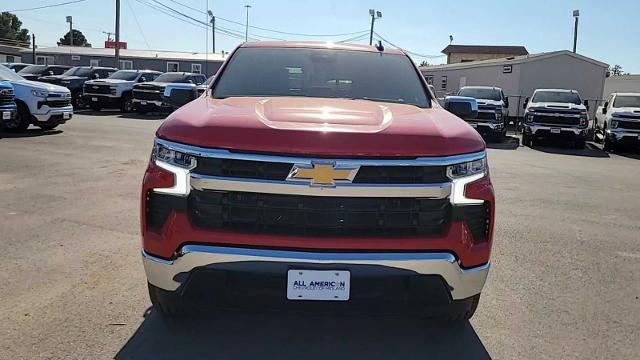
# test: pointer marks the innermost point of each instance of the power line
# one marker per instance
(137, 23)
(407, 51)
(49, 6)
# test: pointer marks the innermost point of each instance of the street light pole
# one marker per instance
(117, 47)
(213, 31)
(374, 15)
(246, 29)
(576, 15)
(70, 21)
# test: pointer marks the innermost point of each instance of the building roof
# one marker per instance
(511, 60)
(12, 50)
(485, 49)
(320, 45)
(130, 53)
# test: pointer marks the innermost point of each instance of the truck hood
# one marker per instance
(151, 84)
(36, 85)
(320, 127)
(63, 78)
(489, 102)
(558, 106)
(626, 111)
(109, 82)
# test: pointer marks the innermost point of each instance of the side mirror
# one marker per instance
(586, 104)
(604, 107)
(461, 106)
(142, 79)
(96, 76)
(50, 73)
(524, 104)
(506, 102)
(178, 94)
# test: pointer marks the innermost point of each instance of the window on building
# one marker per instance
(126, 65)
(94, 62)
(196, 68)
(429, 79)
(44, 60)
(443, 86)
(10, 59)
(173, 66)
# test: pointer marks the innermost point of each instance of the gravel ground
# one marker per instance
(565, 281)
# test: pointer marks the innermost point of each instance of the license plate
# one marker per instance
(143, 102)
(474, 125)
(66, 115)
(555, 131)
(6, 115)
(331, 285)
(94, 99)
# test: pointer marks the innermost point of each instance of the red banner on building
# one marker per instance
(112, 44)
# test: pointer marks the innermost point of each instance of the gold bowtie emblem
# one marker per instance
(322, 174)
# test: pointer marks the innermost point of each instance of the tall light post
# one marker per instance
(212, 20)
(246, 28)
(70, 21)
(576, 15)
(374, 15)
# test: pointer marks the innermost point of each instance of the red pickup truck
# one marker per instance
(318, 175)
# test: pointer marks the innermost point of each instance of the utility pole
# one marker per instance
(374, 15)
(213, 32)
(70, 21)
(33, 48)
(117, 34)
(246, 28)
(576, 15)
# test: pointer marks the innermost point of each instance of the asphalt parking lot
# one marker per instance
(565, 281)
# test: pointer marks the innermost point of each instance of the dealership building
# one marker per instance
(519, 76)
(161, 60)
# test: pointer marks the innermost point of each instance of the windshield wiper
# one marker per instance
(397, 101)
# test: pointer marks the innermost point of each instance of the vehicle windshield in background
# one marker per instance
(8, 74)
(487, 94)
(78, 71)
(33, 69)
(322, 73)
(173, 78)
(209, 80)
(626, 101)
(557, 96)
(124, 75)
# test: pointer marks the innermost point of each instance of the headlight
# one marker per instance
(470, 168)
(40, 93)
(528, 118)
(614, 124)
(173, 157)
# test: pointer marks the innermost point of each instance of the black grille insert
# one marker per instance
(477, 218)
(632, 125)
(560, 120)
(159, 207)
(324, 216)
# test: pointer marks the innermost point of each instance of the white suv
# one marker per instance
(618, 120)
(115, 91)
(41, 104)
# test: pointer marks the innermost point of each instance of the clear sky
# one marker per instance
(609, 31)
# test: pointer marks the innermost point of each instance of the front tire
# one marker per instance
(606, 143)
(21, 121)
(126, 104)
(527, 140)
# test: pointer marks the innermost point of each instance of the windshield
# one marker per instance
(124, 75)
(479, 93)
(626, 101)
(322, 73)
(8, 74)
(78, 71)
(557, 96)
(173, 78)
(32, 69)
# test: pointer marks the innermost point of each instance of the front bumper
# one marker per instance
(8, 113)
(102, 100)
(487, 127)
(623, 135)
(150, 105)
(48, 114)
(170, 275)
(550, 130)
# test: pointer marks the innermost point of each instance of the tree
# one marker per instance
(78, 39)
(424, 63)
(616, 70)
(11, 31)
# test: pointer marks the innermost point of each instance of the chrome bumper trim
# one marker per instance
(576, 130)
(619, 133)
(463, 282)
(226, 154)
(429, 191)
(154, 102)
(491, 125)
(101, 95)
(54, 111)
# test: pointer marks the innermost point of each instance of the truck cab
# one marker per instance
(327, 177)
(116, 91)
(74, 79)
(618, 120)
(35, 72)
(555, 113)
(148, 97)
(493, 110)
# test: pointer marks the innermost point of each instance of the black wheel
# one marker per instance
(169, 303)
(22, 120)
(606, 143)
(77, 100)
(126, 104)
(48, 126)
(527, 140)
(579, 143)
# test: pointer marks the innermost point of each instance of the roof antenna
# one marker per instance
(379, 46)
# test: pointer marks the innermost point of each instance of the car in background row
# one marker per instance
(8, 107)
(493, 109)
(16, 66)
(34, 72)
(74, 79)
(618, 120)
(116, 90)
(555, 113)
(147, 97)
(41, 104)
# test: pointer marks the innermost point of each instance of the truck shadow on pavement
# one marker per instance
(33, 132)
(508, 143)
(119, 114)
(565, 148)
(253, 335)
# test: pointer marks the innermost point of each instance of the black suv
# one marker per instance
(74, 78)
(35, 72)
(147, 97)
